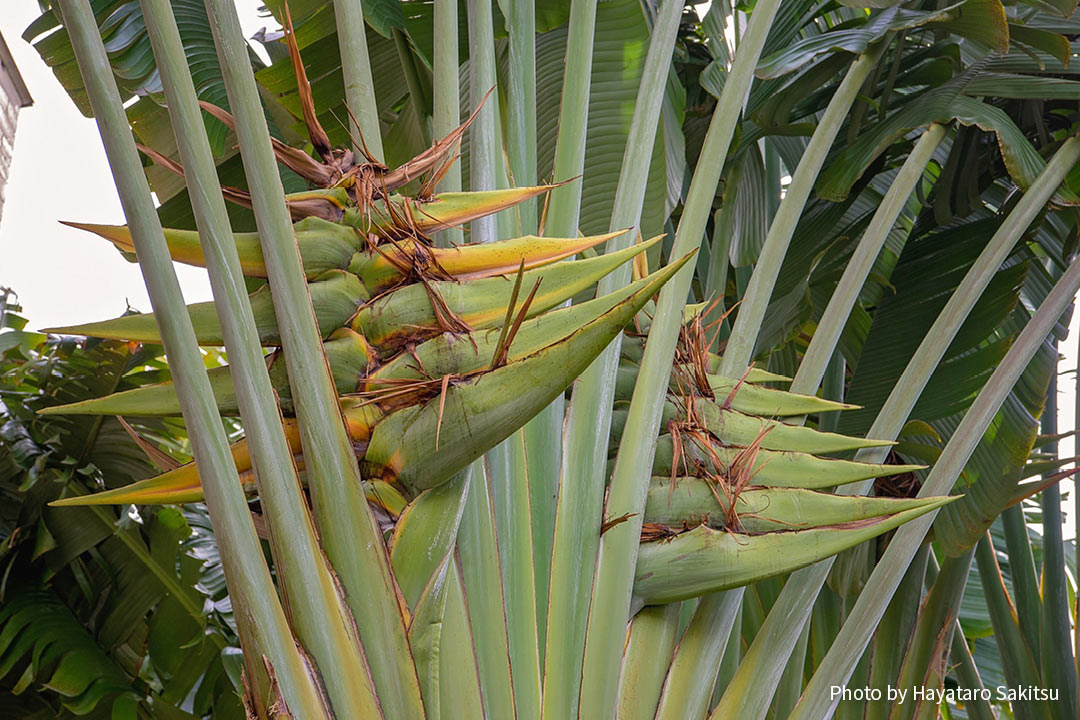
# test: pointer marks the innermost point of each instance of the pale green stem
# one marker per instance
(315, 609)
(459, 681)
(481, 574)
(740, 347)
(477, 538)
(963, 664)
(752, 687)
(544, 433)
(341, 511)
(732, 657)
(510, 483)
(525, 564)
(356, 71)
(649, 648)
(1026, 590)
(1018, 663)
(836, 313)
(692, 675)
(581, 486)
(630, 482)
(258, 611)
(791, 682)
(541, 434)
(967, 675)
(891, 637)
(564, 203)
(1056, 644)
(521, 105)
(926, 661)
(484, 152)
(509, 475)
(854, 635)
(446, 100)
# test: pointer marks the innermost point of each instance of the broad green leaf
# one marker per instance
(620, 44)
(943, 105)
(1049, 42)
(854, 40)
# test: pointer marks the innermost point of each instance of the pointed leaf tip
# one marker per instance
(118, 235)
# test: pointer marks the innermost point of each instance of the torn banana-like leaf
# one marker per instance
(771, 468)
(335, 297)
(692, 501)
(421, 310)
(704, 560)
(423, 446)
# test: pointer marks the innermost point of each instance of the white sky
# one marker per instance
(59, 172)
(1067, 414)
(65, 276)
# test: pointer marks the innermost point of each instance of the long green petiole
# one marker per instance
(617, 557)
(263, 627)
(712, 610)
(837, 665)
(340, 508)
(766, 655)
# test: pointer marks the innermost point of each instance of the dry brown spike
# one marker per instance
(656, 532)
(319, 139)
(442, 407)
(608, 524)
(295, 159)
(161, 459)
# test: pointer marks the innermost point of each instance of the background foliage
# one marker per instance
(91, 619)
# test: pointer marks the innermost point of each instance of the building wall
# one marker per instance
(13, 96)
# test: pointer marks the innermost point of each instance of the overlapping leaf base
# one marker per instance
(440, 354)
